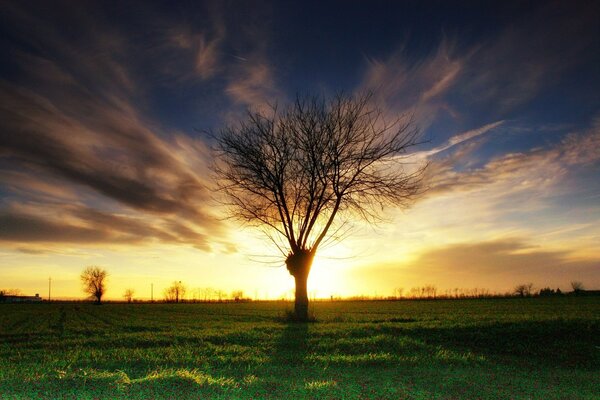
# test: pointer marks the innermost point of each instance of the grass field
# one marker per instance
(497, 348)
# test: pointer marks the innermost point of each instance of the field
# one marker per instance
(496, 348)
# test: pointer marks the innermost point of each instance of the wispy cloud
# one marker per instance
(492, 77)
(191, 54)
(582, 148)
(109, 150)
(26, 228)
(509, 260)
(253, 84)
(418, 89)
(458, 139)
(36, 186)
(538, 169)
(528, 56)
(497, 265)
(207, 57)
(237, 64)
(72, 118)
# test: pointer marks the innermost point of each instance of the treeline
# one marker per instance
(205, 295)
(521, 290)
(94, 281)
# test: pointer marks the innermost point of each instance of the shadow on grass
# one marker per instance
(389, 359)
(292, 346)
(288, 371)
(572, 344)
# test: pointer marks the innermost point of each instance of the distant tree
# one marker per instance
(415, 292)
(93, 279)
(524, 290)
(128, 295)
(208, 293)
(547, 292)
(175, 293)
(220, 295)
(577, 287)
(302, 173)
(398, 292)
(11, 292)
(196, 294)
(237, 295)
(430, 291)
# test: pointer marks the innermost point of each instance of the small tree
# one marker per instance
(128, 295)
(524, 290)
(398, 292)
(545, 292)
(11, 292)
(302, 174)
(208, 293)
(93, 279)
(220, 295)
(175, 292)
(577, 287)
(237, 295)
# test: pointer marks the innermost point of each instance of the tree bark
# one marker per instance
(301, 301)
(298, 265)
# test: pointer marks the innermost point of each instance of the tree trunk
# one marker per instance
(298, 265)
(301, 301)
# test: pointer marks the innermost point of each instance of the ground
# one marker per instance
(491, 349)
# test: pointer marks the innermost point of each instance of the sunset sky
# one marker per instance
(104, 156)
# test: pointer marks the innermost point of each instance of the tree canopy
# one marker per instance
(302, 172)
(93, 279)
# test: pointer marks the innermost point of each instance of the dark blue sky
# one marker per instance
(541, 56)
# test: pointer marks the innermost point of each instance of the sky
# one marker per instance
(106, 110)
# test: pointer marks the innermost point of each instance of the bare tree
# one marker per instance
(220, 295)
(175, 292)
(11, 292)
(128, 295)
(94, 282)
(524, 290)
(577, 286)
(237, 295)
(303, 173)
(398, 292)
(208, 293)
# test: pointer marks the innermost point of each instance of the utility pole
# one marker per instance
(152, 292)
(49, 287)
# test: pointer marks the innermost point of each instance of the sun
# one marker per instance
(325, 279)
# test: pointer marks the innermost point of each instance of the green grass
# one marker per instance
(490, 349)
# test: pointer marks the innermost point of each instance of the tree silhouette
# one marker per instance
(237, 295)
(524, 290)
(94, 282)
(577, 287)
(9, 292)
(128, 295)
(303, 173)
(175, 292)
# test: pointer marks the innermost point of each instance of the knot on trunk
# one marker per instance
(298, 263)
